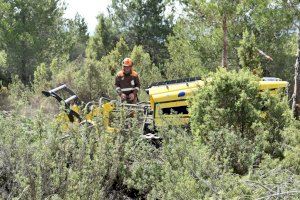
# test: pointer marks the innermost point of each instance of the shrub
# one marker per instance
(227, 116)
(292, 147)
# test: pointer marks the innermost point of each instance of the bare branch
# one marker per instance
(261, 185)
(265, 55)
(279, 194)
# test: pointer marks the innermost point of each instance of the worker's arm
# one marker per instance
(118, 85)
(137, 85)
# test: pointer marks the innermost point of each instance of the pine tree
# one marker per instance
(248, 53)
(77, 30)
(104, 39)
(31, 32)
(143, 23)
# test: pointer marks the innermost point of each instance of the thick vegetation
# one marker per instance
(241, 144)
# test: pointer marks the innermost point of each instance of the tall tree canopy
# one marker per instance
(143, 23)
(78, 35)
(30, 33)
(104, 39)
(269, 21)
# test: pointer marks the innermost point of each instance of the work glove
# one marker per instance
(123, 96)
(131, 96)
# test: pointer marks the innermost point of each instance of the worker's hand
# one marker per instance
(131, 96)
(123, 96)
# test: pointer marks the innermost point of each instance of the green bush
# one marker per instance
(3, 67)
(147, 71)
(39, 160)
(228, 117)
(224, 156)
(291, 136)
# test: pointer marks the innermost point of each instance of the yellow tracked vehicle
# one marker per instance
(168, 102)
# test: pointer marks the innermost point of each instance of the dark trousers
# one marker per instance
(127, 100)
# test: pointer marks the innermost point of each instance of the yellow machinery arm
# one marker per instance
(168, 103)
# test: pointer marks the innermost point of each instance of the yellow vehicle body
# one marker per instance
(76, 111)
(89, 118)
(169, 102)
(272, 85)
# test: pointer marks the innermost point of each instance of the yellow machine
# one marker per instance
(169, 100)
(168, 104)
(172, 97)
(76, 111)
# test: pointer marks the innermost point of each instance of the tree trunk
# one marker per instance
(296, 93)
(225, 42)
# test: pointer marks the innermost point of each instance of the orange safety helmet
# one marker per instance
(127, 62)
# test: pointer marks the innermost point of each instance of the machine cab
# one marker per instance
(169, 100)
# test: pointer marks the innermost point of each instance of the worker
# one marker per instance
(127, 82)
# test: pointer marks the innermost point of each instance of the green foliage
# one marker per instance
(103, 41)
(270, 22)
(277, 116)
(179, 161)
(46, 162)
(77, 29)
(228, 117)
(83, 162)
(194, 48)
(19, 93)
(185, 59)
(96, 78)
(292, 145)
(229, 95)
(41, 78)
(220, 17)
(189, 171)
(242, 143)
(143, 23)
(3, 58)
(54, 67)
(142, 168)
(270, 178)
(113, 60)
(147, 71)
(29, 32)
(91, 81)
(3, 66)
(248, 53)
